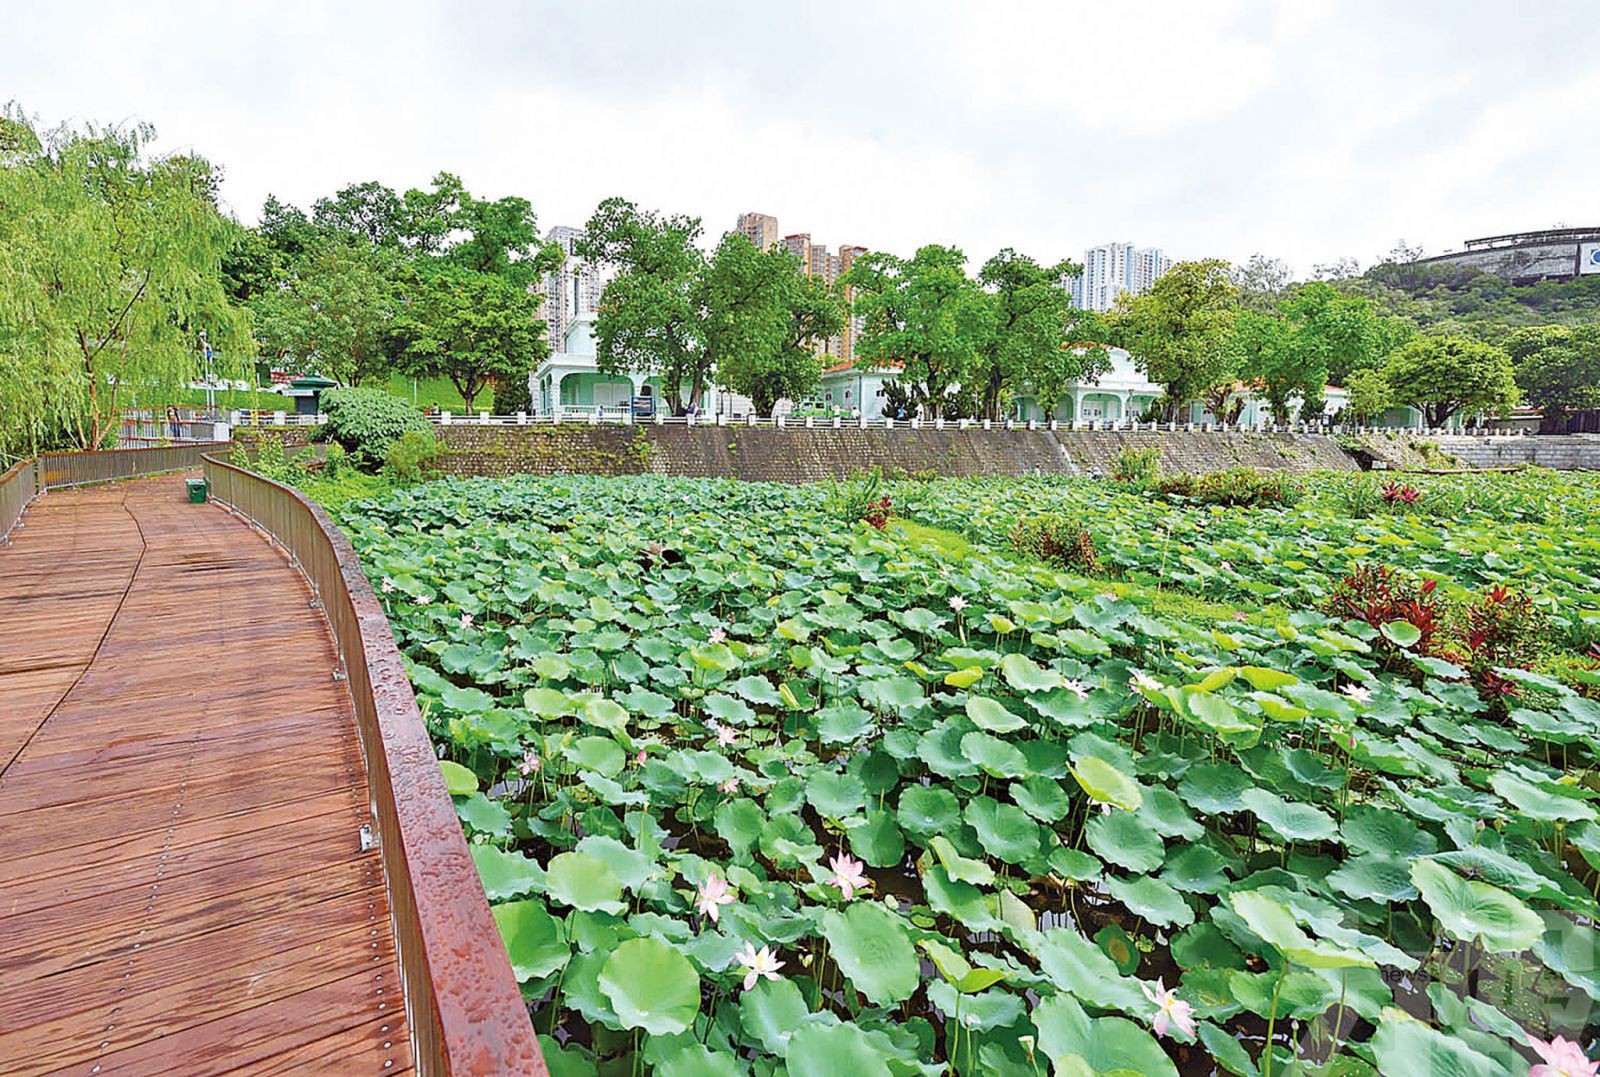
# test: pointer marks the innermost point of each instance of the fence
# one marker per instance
(623, 417)
(257, 417)
(28, 479)
(467, 1014)
(18, 487)
(80, 468)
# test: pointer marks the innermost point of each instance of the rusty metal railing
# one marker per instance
(79, 468)
(17, 488)
(467, 1014)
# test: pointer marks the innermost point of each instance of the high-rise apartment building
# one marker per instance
(817, 261)
(761, 229)
(1114, 269)
(570, 290)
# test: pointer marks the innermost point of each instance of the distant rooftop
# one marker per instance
(1549, 235)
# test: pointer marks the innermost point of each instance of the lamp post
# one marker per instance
(211, 392)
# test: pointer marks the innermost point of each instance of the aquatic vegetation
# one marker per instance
(752, 785)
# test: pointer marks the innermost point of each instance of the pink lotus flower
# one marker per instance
(1358, 693)
(1226, 566)
(1560, 1058)
(387, 587)
(760, 963)
(849, 875)
(718, 635)
(1077, 688)
(466, 620)
(726, 736)
(730, 786)
(958, 603)
(530, 763)
(1170, 1010)
(639, 759)
(714, 893)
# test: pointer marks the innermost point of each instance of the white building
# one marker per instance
(853, 389)
(570, 385)
(571, 290)
(1114, 269)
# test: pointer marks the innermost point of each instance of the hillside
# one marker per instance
(1462, 300)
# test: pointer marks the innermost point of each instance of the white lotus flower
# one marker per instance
(762, 963)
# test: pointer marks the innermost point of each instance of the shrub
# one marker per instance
(1057, 540)
(1395, 493)
(410, 458)
(1359, 499)
(862, 499)
(1502, 627)
(1236, 486)
(511, 395)
(1378, 595)
(1137, 467)
(367, 421)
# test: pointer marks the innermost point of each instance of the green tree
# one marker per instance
(764, 321)
(333, 314)
(1262, 282)
(110, 269)
(1039, 337)
(648, 321)
(1338, 333)
(1179, 331)
(473, 328)
(502, 237)
(1445, 376)
(363, 212)
(1271, 358)
(926, 317)
(1369, 394)
(1557, 369)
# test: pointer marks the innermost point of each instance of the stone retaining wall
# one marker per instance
(1563, 452)
(797, 454)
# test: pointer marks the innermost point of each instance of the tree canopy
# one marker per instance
(1557, 369)
(764, 321)
(925, 317)
(110, 271)
(473, 328)
(332, 311)
(1178, 331)
(433, 282)
(1442, 376)
(1040, 343)
(648, 320)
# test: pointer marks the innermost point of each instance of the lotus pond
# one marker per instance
(756, 790)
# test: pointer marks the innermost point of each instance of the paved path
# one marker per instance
(182, 888)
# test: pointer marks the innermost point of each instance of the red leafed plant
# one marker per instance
(1501, 627)
(1378, 595)
(1395, 493)
(878, 512)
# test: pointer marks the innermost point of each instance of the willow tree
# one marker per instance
(110, 260)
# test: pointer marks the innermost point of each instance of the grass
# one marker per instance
(429, 392)
(435, 392)
(1178, 604)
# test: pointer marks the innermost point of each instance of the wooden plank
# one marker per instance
(183, 887)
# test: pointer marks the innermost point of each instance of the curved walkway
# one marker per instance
(183, 887)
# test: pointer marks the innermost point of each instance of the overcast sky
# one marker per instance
(1305, 129)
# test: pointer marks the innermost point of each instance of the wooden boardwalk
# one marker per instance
(182, 884)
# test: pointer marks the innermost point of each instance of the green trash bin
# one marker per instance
(197, 491)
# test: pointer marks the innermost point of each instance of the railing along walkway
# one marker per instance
(183, 887)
